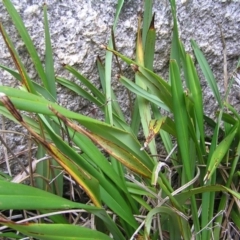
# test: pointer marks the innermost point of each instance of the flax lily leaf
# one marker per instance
(29, 198)
(116, 107)
(18, 23)
(117, 116)
(180, 116)
(85, 180)
(193, 84)
(158, 86)
(196, 92)
(47, 79)
(109, 193)
(143, 93)
(147, 23)
(80, 91)
(10, 235)
(220, 152)
(182, 197)
(122, 139)
(144, 108)
(88, 182)
(80, 176)
(94, 155)
(25, 80)
(118, 152)
(150, 46)
(184, 125)
(49, 64)
(206, 71)
(39, 89)
(86, 82)
(175, 228)
(37, 199)
(108, 68)
(154, 128)
(55, 231)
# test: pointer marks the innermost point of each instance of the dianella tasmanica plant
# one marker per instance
(133, 190)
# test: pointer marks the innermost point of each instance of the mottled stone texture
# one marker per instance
(79, 27)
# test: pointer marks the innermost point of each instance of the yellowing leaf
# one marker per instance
(154, 128)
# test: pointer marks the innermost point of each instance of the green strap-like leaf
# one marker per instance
(49, 64)
(25, 80)
(18, 23)
(56, 231)
(220, 152)
(206, 71)
(29, 198)
(180, 117)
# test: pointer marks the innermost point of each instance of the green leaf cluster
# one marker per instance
(124, 178)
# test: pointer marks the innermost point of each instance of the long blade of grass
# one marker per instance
(220, 152)
(116, 151)
(224, 198)
(115, 105)
(110, 195)
(164, 90)
(149, 45)
(182, 122)
(193, 83)
(125, 140)
(143, 104)
(190, 146)
(50, 75)
(37, 199)
(39, 89)
(143, 93)
(95, 156)
(180, 116)
(118, 117)
(206, 71)
(25, 80)
(207, 197)
(174, 228)
(182, 197)
(108, 68)
(87, 83)
(108, 84)
(32, 198)
(88, 183)
(175, 53)
(147, 20)
(49, 64)
(18, 23)
(80, 91)
(81, 176)
(56, 231)
(49, 84)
